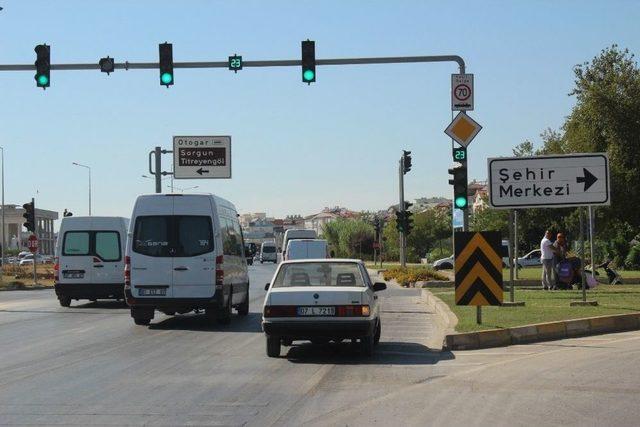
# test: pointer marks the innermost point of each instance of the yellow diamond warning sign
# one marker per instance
(478, 268)
(463, 129)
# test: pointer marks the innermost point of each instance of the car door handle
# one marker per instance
(98, 266)
(181, 269)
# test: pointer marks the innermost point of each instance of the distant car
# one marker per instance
(444, 263)
(28, 260)
(293, 234)
(268, 253)
(530, 259)
(321, 300)
(307, 249)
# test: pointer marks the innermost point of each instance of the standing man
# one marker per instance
(547, 253)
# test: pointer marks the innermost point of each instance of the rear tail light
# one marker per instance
(280, 311)
(219, 272)
(352, 311)
(127, 272)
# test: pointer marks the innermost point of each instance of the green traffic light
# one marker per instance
(308, 75)
(461, 202)
(166, 78)
(43, 80)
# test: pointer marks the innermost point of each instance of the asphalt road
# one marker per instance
(90, 364)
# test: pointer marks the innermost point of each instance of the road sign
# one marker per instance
(461, 92)
(549, 181)
(196, 157)
(478, 268)
(32, 243)
(235, 63)
(458, 218)
(463, 129)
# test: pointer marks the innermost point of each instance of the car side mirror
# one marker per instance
(379, 286)
(266, 287)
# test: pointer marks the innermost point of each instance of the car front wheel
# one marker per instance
(273, 346)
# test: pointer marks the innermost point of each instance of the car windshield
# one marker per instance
(319, 274)
(268, 249)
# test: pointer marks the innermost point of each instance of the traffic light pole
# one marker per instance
(247, 64)
(158, 173)
(35, 232)
(403, 260)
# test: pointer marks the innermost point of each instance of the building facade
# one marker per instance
(15, 235)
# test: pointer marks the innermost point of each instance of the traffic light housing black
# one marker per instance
(30, 216)
(43, 65)
(107, 65)
(400, 215)
(408, 221)
(406, 161)
(308, 61)
(166, 63)
(459, 183)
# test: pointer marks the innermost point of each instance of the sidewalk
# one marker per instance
(405, 317)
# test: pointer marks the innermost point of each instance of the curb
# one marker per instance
(24, 288)
(543, 332)
(445, 319)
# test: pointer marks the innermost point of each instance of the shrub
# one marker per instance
(632, 262)
(410, 275)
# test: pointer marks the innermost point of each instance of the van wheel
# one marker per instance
(64, 301)
(273, 346)
(223, 316)
(243, 309)
(141, 321)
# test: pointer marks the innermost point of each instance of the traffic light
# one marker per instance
(400, 215)
(30, 216)
(107, 65)
(166, 63)
(406, 161)
(459, 183)
(308, 61)
(408, 221)
(43, 65)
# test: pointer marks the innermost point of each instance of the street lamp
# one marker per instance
(89, 169)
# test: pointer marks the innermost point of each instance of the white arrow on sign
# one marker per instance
(549, 181)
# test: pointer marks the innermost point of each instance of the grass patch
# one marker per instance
(410, 275)
(544, 306)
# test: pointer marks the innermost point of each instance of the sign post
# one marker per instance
(32, 245)
(552, 182)
(461, 92)
(549, 181)
(201, 157)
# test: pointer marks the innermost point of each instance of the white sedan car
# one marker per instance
(530, 259)
(321, 300)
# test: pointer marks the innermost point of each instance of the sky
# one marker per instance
(296, 148)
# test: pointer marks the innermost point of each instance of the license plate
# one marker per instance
(316, 311)
(73, 274)
(152, 292)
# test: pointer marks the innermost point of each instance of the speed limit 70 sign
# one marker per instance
(461, 92)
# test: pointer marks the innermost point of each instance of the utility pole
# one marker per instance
(35, 232)
(158, 175)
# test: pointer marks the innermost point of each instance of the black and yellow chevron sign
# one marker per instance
(478, 267)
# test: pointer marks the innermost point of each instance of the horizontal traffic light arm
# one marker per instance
(247, 64)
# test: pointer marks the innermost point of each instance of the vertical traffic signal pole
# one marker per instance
(403, 261)
(35, 232)
(158, 173)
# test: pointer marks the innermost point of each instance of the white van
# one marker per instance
(307, 249)
(90, 258)
(268, 253)
(296, 234)
(185, 252)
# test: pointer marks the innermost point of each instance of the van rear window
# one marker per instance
(173, 235)
(76, 243)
